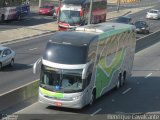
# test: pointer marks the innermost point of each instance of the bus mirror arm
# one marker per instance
(35, 65)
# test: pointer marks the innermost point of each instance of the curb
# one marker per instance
(20, 39)
(118, 16)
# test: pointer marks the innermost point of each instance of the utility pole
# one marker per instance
(40, 3)
(90, 12)
(118, 5)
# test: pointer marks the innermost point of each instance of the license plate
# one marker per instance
(58, 104)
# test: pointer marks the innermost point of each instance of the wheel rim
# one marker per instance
(91, 102)
(122, 82)
(118, 84)
(12, 63)
(92, 99)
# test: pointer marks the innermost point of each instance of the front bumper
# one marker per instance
(78, 104)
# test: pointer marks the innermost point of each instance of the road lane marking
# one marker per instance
(148, 75)
(33, 49)
(126, 90)
(96, 112)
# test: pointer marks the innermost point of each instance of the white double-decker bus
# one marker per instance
(80, 66)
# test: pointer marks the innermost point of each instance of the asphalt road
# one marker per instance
(143, 3)
(35, 19)
(139, 96)
(21, 73)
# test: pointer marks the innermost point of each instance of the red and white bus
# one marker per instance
(72, 13)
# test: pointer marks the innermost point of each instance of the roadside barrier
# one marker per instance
(18, 95)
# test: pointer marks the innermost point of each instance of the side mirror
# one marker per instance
(36, 65)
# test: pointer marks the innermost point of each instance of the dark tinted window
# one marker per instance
(140, 24)
(75, 2)
(0, 52)
(123, 20)
(153, 11)
(47, 6)
(65, 54)
(5, 52)
(8, 51)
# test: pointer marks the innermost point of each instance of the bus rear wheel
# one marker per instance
(2, 19)
(19, 17)
(119, 81)
(123, 78)
(0, 66)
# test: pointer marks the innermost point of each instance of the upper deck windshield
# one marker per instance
(61, 80)
(70, 16)
(65, 53)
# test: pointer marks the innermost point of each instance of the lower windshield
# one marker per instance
(61, 80)
(140, 24)
(69, 16)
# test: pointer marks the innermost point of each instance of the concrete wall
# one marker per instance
(18, 95)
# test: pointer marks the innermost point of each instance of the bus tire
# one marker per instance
(12, 63)
(19, 17)
(0, 66)
(2, 19)
(93, 97)
(118, 85)
(123, 78)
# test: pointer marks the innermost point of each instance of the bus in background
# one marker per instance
(79, 66)
(13, 9)
(72, 13)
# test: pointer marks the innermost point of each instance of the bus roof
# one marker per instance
(75, 2)
(83, 35)
(78, 2)
(73, 38)
(104, 27)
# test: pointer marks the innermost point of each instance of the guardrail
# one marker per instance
(147, 41)
(18, 95)
(30, 90)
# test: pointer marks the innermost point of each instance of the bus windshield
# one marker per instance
(69, 16)
(61, 79)
(64, 53)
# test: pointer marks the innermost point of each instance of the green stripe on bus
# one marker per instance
(104, 73)
(113, 32)
(51, 94)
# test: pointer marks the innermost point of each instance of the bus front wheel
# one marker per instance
(93, 97)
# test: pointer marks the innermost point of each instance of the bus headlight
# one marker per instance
(76, 97)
